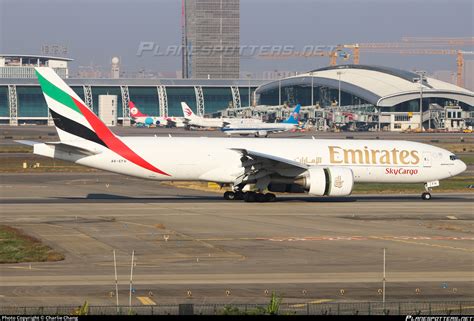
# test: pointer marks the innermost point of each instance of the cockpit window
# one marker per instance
(453, 157)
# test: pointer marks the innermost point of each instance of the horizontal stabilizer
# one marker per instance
(72, 148)
(27, 142)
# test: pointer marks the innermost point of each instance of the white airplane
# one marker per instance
(147, 120)
(199, 121)
(317, 166)
(263, 129)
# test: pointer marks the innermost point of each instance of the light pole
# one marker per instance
(380, 115)
(312, 89)
(422, 77)
(249, 77)
(383, 281)
(279, 89)
(339, 73)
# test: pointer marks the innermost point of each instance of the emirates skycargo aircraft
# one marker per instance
(316, 166)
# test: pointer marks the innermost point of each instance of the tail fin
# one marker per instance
(187, 111)
(134, 111)
(293, 119)
(74, 121)
(72, 118)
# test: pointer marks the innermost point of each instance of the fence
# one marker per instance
(346, 308)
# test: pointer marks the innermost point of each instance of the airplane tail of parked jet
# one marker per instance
(187, 111)
(134, 111)
(294, 116)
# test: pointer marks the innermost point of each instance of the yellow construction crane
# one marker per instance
(407, 46)
(421, 51)
(337, 52)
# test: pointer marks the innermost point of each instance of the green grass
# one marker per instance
(16, 149)
(458, 184)
(464, 147)
(16, 247)
(467, 158)
(15, 165)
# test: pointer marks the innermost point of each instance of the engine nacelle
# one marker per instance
(261, 133)
(330, 181)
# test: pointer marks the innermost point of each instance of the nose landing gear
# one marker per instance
(428, 188)
(426, 196)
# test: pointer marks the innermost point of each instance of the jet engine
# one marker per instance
(261, 133)
(330, 181)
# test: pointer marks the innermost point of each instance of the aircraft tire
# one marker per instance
(239, 196)
(230, 196)
(249, 197)
(426, 196)
(270, 197)
(259, 197)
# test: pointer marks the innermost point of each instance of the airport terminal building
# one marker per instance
(22, 102)
(395, 93)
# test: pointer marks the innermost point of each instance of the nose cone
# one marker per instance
(460, 166)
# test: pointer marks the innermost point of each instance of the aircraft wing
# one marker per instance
(259, 166)
(267, 158)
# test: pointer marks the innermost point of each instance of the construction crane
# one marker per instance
(332, 54)
(420, 51)
(407, 46)
(442, 41)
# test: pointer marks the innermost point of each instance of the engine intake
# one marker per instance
(330, 181)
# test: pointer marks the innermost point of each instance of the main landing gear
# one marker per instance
(249, 196)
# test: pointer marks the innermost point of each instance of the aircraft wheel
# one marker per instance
(249, 197)
(259, 197)
(230, 196)
(239, 196)
(270, 197)
(426, 196)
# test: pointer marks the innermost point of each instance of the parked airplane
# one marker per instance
(147, 120)
(199, 121)
(263, 129)
(316, 166)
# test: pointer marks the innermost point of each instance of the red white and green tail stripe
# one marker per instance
(72, 117)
